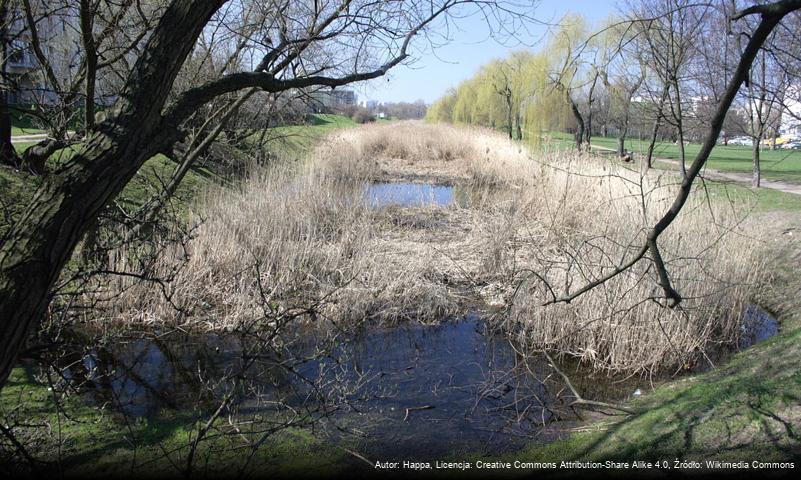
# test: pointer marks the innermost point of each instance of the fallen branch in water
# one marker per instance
(412, 409)
(358, 455)
(581, 401)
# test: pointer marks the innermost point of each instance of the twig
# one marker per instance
(413, 409)
(581, 401)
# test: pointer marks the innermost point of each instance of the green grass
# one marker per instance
(15, 131)
(747, 410)
(295, 141)
(17, 188)
(784, 165)
(760, 200)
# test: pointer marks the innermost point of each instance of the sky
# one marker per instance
(430, 75)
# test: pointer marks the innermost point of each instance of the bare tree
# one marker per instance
(622, 75)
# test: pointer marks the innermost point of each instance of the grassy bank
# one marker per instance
(745, 411)
(783, 165)
(68, 436)
(292, 142)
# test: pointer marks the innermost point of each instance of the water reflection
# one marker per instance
(411, 390)
(408, 194)
(758, 326)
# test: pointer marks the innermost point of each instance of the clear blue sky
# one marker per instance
(431, 75)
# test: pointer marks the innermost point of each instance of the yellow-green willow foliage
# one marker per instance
(512, 94)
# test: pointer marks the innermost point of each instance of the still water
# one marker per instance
(408, 194)
(413, 391)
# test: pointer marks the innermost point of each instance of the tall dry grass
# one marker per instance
(536, 225)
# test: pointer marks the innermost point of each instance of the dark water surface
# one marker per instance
(758, 326)
(413, 391)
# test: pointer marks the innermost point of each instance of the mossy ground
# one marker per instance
(84, 441)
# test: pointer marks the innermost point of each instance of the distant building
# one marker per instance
(21, 71)
(328, 100)
(61, 44)
(368, 104)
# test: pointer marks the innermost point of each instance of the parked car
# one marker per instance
(742, 141)
(792, 145)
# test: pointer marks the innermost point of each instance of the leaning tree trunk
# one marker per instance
(649, 156)
(64, 207)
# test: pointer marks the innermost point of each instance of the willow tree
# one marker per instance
(298, 45)
(442, 109)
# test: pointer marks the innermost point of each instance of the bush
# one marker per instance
(362, 115)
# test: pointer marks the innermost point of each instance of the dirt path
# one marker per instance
(729, 176)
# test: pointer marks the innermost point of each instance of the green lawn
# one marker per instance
(762, 199)
(15, 131)
(294, 141)
(782, 165)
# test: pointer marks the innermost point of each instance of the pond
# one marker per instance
(412, 391)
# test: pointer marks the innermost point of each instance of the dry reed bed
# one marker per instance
(533, 228)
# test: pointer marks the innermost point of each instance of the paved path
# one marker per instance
(30, 138)
(728, 176)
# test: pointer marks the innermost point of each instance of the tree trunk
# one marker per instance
(91, 64)
(579, 123)
(757, 174)
(680, 129)
(8, 155)
(590, 100)
(509, 123)
(64, 207)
